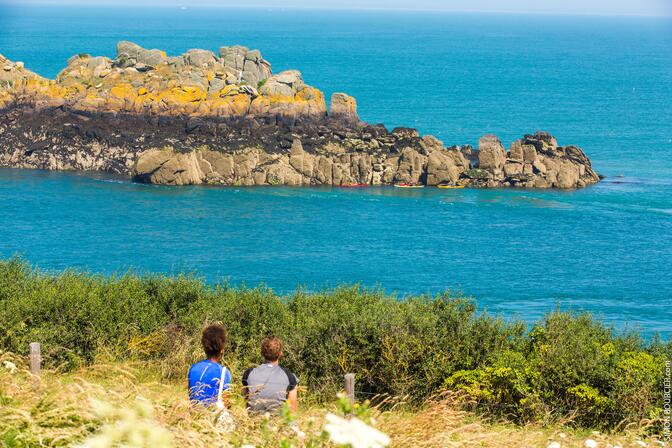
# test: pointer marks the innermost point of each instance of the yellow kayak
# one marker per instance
(450, 186)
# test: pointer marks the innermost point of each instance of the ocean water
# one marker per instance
(603, 83)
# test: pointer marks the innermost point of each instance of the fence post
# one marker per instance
(35, 358)
(350, 388)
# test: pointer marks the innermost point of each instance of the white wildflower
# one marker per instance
(130, 427)
(247, 446)
(641, 443)
(9, 365)
(562, 435)
(300, 434)
(354, 433)
(590, 443)
(553, 445)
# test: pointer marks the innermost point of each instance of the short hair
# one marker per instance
(271, 348)
(214, 340)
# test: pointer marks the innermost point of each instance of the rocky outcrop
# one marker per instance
(344, 106)
(491, 154)
(225, 118)
(335, 164)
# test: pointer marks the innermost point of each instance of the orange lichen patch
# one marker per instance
(5, 98)
(144, 102)
(309, 93)
(279, 99)
(229, 90)
(40, 87)
(142, 91)
(236, 105)
(307, 101)
(91, 94)
(74, 90)
(123, 91)
(260, 105)
(182, 95)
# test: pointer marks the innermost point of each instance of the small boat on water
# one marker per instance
(449, 186)
(405, 185)
(354, 185)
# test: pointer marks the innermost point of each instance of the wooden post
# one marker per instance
(350, 388)
(35, 358)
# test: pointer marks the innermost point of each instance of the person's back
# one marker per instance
(268, 386)
(204, 379)
(208, 379)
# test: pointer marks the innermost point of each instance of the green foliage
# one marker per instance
(261, 83)
(504, 388)
(414, 348)
(571, 365)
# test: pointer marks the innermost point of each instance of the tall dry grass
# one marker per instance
(68, 408)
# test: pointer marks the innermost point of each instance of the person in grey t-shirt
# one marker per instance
(268, 386)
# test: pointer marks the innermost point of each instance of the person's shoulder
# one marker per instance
(293, 379)
(196, 370)
(246, 373)
(197, 366)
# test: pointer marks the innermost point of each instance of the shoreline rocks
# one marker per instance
(225, 118)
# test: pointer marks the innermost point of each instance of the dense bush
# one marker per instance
(417, 347)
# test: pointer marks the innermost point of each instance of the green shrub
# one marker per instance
(565, 365)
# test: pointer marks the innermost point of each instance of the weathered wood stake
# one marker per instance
(350, 388)
(35, 358)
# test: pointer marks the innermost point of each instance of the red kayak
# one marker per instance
(354, 186)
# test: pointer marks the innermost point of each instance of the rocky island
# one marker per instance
(226, 118)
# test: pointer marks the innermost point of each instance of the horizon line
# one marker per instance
(109, 4)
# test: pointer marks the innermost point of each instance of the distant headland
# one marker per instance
(226, 118)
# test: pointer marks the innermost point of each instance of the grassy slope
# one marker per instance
(61, 411)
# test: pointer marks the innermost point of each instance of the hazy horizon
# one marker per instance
(661, 8)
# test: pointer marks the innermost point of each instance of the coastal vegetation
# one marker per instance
(131, 404)
(565, 367)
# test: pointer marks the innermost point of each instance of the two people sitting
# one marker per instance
(266, 387)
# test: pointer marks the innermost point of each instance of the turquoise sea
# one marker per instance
(604, 83)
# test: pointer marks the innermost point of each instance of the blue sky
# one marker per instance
(607, 7)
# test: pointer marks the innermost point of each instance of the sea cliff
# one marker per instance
(226, 118)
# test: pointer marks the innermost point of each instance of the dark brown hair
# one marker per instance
(271, 348)
(214, 340)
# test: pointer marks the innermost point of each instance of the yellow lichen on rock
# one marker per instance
(148, 81)
(260, 106)
(123, 91)
(229, 90)
(182, 95)
(5, 98)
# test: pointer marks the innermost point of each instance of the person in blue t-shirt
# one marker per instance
(209, 381)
